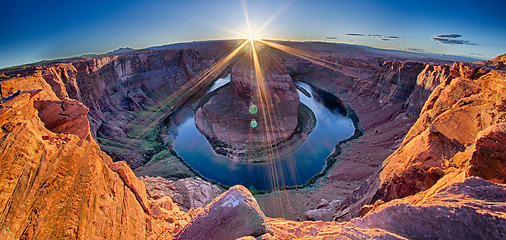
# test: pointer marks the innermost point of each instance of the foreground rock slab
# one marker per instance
(232, 215)
(464, 208)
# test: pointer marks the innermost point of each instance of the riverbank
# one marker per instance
(383, 130)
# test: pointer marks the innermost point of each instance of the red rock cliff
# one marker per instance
(450, 134)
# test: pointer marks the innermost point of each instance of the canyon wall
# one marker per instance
(446, 179)
(126, 94)
(459, 133)
(445, 136)
(404, 81)
(58, 184)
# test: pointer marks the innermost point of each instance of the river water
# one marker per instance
(294, 169)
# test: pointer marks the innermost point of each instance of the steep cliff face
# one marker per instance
(404, 81)
(427, 80)
(449, 134)
(397, 80)
(119, 91)
(58, 184)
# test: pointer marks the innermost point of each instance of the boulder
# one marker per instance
(324, 212)
(232, 215)
(187, 193)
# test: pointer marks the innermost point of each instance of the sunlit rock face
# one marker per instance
(236, 117)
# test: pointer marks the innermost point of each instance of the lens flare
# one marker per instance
(261, 54)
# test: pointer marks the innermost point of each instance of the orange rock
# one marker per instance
(66, 116)
(489, 159)
(449, 123)
(233, 214)
(63, 191)
(130, 180)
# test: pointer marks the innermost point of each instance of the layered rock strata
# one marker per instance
(60, 185)
(126, 94)
(446, 135)
(251, 114)
(446, 140)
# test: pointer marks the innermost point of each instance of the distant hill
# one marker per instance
(121, 51)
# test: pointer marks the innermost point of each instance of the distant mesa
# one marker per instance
(122, 50)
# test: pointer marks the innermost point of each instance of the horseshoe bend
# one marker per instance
(88, 145)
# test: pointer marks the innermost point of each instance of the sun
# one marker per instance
(251, 38)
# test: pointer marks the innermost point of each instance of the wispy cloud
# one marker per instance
(333, 38)
(354, 34)
(448, 35)
(450, 39)
(380, 36)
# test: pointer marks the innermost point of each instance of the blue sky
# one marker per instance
(36, 30)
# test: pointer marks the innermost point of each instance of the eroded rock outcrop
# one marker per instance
(464, 208)
(58, 186)
(65, 116)
(232, 215)
(444, 140)
(498, 62)
(447, 128)
(187, 193)
(488, 160)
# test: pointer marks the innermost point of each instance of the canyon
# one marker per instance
(427, 159)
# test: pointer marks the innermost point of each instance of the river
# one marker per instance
(295, 169)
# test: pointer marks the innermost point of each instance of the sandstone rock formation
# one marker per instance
(112, 87)
(232, 215)
(489, 157)
(59, 185)
(443, 141)
(457, 208)
(447, 128)
(65, 116)
(405, 81)
(273, 106)
(468, 208)
(498, 62)
(187, 193)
